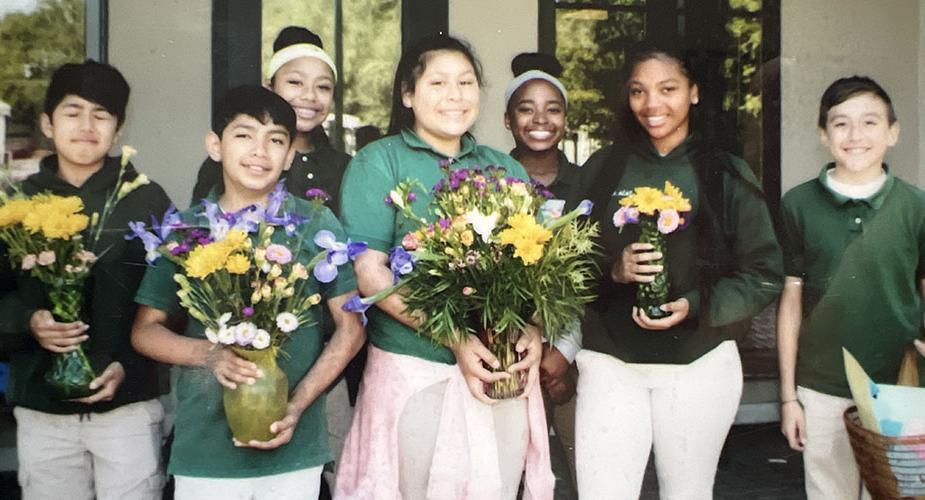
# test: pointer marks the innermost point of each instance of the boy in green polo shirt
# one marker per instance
(854, 247)
(251, 137)
(106, 445)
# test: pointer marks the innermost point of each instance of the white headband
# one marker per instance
(533, 74)
(284, 55)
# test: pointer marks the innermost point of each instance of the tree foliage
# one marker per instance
(32, 46)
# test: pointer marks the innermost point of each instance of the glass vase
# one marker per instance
(251, 408)
(70, 373)
(502, 345)
(650, 296)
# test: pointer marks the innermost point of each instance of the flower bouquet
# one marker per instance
(43, 235)
(658, 213)
(486, 264)
(243, 275)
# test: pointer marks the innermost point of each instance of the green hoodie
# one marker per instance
(109, 306)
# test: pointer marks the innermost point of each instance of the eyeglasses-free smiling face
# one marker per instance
(445, 100)
(660, 96)
(858, 134)
(252, 154)
(83, 132)
(307, 84)
(537, 117)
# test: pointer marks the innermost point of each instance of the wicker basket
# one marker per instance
(891, 467)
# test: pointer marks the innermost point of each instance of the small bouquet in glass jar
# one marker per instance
(488, 262)
(44, 235)
(658, 213)
(243, 275)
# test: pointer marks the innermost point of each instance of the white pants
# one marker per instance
(109, 456)
(828, 462)
(339, 417)
(682, 411)
(295, 485)
(417, 438)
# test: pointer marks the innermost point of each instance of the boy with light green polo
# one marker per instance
(251, 136)
(854, 248)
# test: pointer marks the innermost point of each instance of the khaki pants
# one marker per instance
(295, 485)
(683, 412)
(828, 462)
(114, 455)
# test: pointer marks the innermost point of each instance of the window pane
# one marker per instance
(36, 36)
(604, 2)
(372, 45)
(590, 44)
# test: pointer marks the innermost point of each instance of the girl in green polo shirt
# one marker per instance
(672, 384)
(423, 426)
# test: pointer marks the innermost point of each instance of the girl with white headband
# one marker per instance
(303, 74)
(535, 113)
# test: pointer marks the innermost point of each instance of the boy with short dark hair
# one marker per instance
(251, 136)
(854, 247)
(106, 445)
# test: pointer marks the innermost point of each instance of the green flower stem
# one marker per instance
(70, 373)
(649, 296)
(502, 346)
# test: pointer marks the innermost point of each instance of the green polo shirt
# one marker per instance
(202, 445)
(373, 172)
(861, 261)
(754, 283)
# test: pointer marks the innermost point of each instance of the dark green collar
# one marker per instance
(680, 151)
(413, 140)
(875, 201)
(101, 180)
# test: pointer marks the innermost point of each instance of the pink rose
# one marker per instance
(46, 258)
(28, 262)
(409, 242)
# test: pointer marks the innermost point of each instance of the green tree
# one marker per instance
(32, 46)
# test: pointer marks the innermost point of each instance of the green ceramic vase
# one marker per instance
(250, 409)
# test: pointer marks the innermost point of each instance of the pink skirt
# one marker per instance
(369, 466)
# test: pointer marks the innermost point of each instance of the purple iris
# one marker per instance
(357, 304)
(275, 200)
(158, 234)
(585, 207)
(337, 255)
(401, 262)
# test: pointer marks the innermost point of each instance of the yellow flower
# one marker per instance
(527, 236)
(64, 227)
(237, 264)
(314, 299)
(14, 212)
(649, 200)
(467, 238)
(675, 199)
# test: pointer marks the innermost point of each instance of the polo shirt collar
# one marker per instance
(414, 141)
(875, 201)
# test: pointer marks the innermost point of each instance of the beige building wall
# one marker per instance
(822, 40)
(164, 50)
(497, 32)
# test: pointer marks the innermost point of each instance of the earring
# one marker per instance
(695, 101)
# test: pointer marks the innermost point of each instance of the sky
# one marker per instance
(7, 6)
